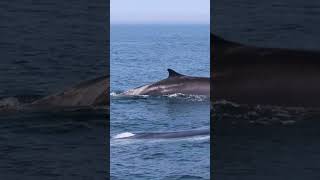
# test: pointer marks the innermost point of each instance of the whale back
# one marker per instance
(88, 93)
(179, 83)
(269, 76)
(225, 52)
(173, 84)
(167, 135)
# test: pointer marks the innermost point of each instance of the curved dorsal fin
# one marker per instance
(221, 41)
(172, 73)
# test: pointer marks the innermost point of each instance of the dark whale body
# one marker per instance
(89, 94)
(93, 92)
(169, 135)
(267, 76)
(175, 83)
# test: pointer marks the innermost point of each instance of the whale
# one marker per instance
(251, 75)
(175, 83)
(86, 94)
(93, 92)
(164, 135)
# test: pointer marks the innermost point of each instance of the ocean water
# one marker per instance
(46, 47)
(142, 54)
(266, 142)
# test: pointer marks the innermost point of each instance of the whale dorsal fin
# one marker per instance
(219, 41)
(172, 73)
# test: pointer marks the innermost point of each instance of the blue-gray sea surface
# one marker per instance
(263, 142)
(46, 47)
(141, 54)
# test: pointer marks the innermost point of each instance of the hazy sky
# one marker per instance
(160, 11)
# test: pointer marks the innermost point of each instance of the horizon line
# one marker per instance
(160, 23)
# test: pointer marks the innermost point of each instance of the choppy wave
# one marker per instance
(11, 103)
(188, 97)
(115, 93)
(234, 113)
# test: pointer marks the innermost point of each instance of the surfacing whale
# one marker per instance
(175, 83)
(91, 93)
(164, 135)
(88, 93)
(267, 76)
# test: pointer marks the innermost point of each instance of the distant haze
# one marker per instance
(160, 11)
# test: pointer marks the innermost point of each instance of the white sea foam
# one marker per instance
(124, 94)
(114, 94)
(175, 95)
(225, 102)
(188, 97)
(9, 103)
